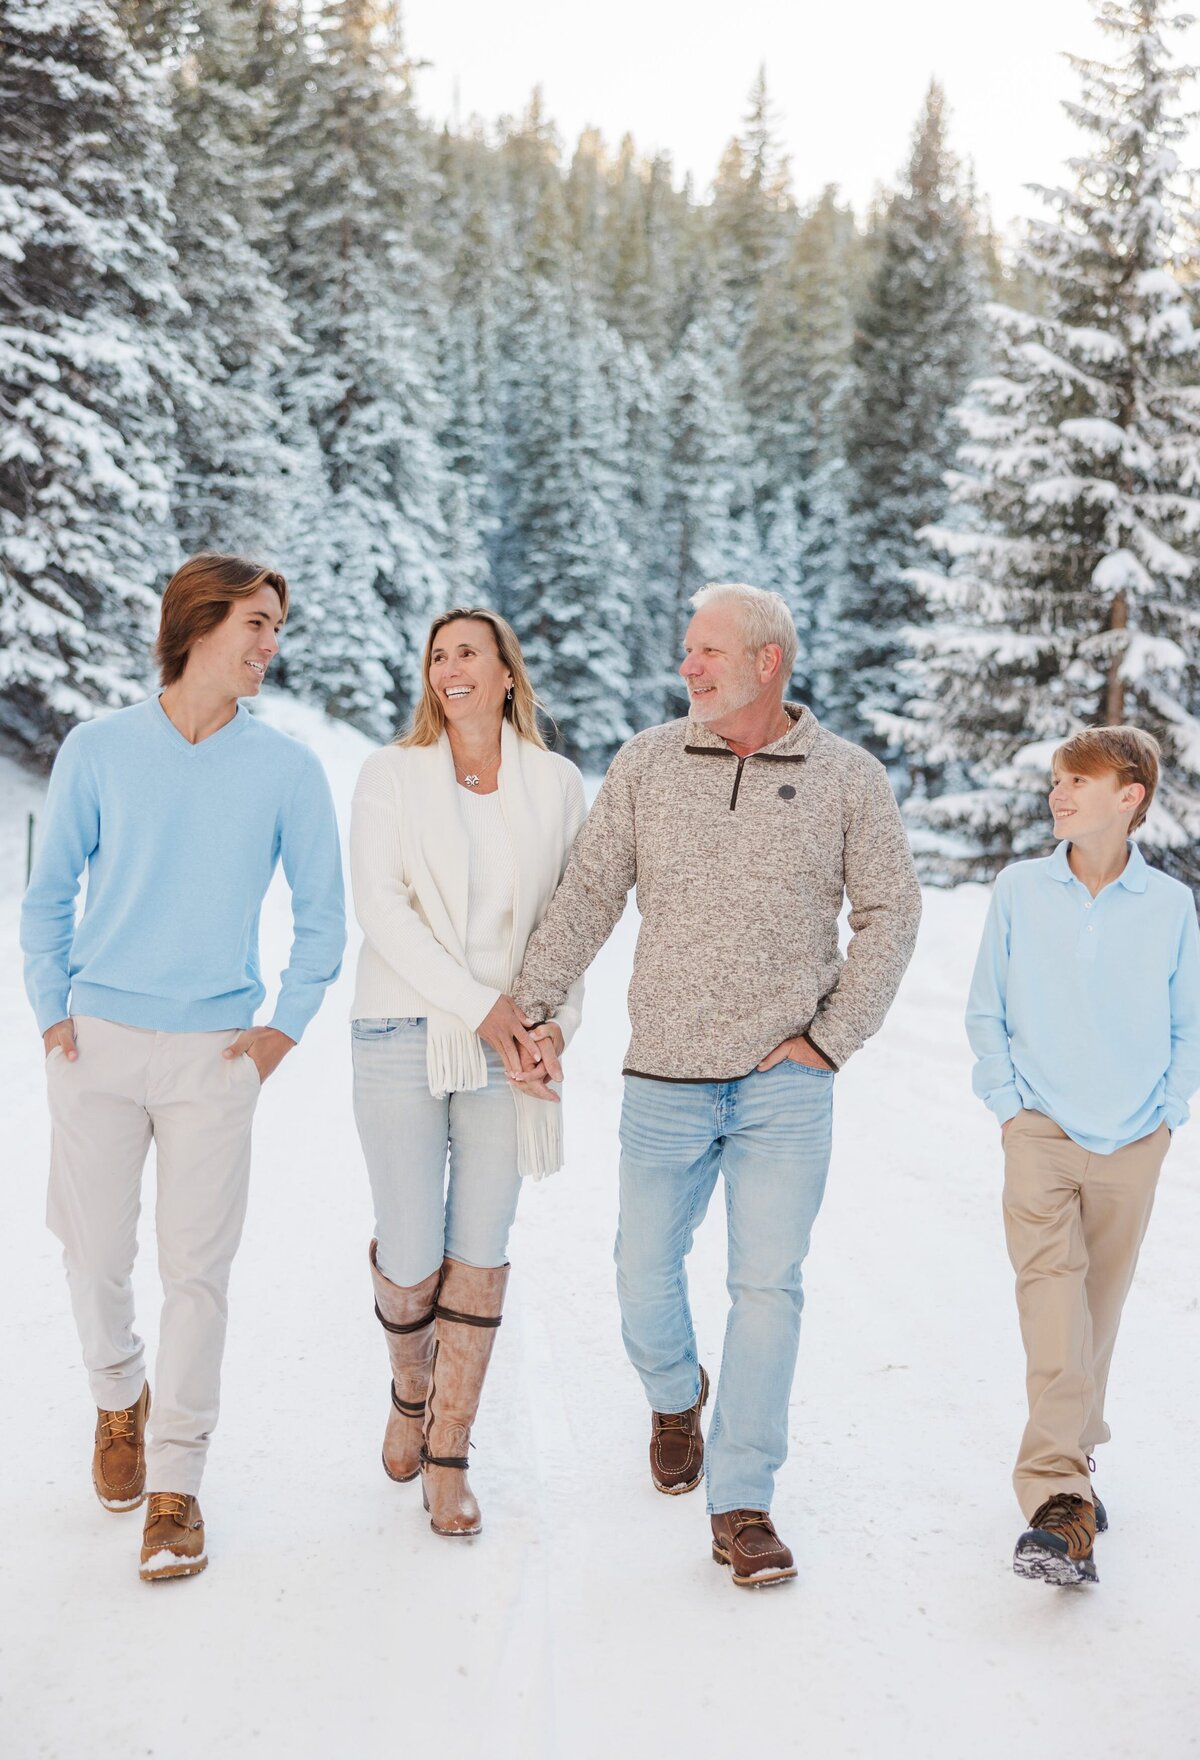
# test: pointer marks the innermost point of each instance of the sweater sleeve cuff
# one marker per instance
(820, 1051)
(50, 1011)
(473, 1002)
(291, 1017)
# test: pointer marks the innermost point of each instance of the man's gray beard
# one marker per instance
(730, 705)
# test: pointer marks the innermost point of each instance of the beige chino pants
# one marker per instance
(1074, 1223)
(129, 1087)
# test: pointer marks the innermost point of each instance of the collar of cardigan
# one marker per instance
(797, 743)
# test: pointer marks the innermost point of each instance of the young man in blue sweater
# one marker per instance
(1084, 1017)
(177, 809)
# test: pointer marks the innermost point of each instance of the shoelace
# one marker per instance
(1061, 1515)
(117, 1424)
(167, 1503)
(740, 1519)
(674, 1420)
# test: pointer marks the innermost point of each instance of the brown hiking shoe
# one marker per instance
(745, 1540)
(1056, 1547)
(677, 1446)
(119, 1458)
(173, 1538)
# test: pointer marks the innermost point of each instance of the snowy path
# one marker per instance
(588, 1622)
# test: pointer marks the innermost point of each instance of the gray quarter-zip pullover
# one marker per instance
(741, 865)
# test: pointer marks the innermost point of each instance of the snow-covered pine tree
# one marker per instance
(639, 262)
(916, 344)
(752, 215)
(793, 358)
(349, 253)
(824, 545)
(586, 194)
(652, 660)
(86, 451)
(1073, 592)
(565, 584)
(469, 363)
(708, 530)
(231, 490)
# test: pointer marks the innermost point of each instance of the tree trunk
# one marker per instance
(1114, 690)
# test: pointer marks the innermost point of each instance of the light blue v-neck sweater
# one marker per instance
(179, 842)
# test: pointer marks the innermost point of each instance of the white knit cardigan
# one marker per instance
(409, 863)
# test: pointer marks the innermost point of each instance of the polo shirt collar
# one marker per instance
(1133, 875)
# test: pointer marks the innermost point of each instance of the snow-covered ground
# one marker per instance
(588, 1622)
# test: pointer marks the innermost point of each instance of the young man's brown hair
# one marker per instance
(1098, 751)
(197, 598)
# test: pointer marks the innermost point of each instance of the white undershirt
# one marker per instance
(492, 877)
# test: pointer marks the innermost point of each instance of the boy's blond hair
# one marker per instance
(1099, 751)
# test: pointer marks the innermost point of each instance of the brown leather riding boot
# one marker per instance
(470, 1303)
(119, 1457)
(745, 1540)
(677, 1446)
(406, 1315)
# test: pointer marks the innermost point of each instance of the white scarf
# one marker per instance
(438, 853)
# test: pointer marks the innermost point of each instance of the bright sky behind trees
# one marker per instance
(847, 80)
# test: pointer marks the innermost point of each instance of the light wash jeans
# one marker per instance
(769, 1134)
(407, 1136)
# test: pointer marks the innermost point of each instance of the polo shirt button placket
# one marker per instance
(1090, 926)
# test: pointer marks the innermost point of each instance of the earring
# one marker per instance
(508, 695)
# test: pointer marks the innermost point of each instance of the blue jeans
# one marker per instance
(408, 1137)
(770, 1135)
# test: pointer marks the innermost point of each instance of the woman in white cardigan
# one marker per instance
(459, 835)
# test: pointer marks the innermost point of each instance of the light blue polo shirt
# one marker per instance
(1088, 1009)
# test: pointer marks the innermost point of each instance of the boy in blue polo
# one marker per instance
(1084, 1017)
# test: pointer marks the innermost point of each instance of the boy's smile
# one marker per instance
(1085, 807)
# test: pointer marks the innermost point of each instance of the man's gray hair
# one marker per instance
(765, 618)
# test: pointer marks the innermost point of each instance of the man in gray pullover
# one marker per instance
(742, 827)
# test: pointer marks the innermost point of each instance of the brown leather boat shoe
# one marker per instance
(119, 1457)
(745, 1540)
(677, 1446)
(173, 1538)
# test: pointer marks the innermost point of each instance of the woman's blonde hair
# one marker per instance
(429, 719)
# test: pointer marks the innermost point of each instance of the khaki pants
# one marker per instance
(127, 1087)
(1074, 1223)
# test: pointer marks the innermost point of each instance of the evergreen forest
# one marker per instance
(252, 300)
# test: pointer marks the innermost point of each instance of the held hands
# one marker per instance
(266, 1047)
(506, 1030)
(62, 1034)
(799, 1051)
(535, 1078)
